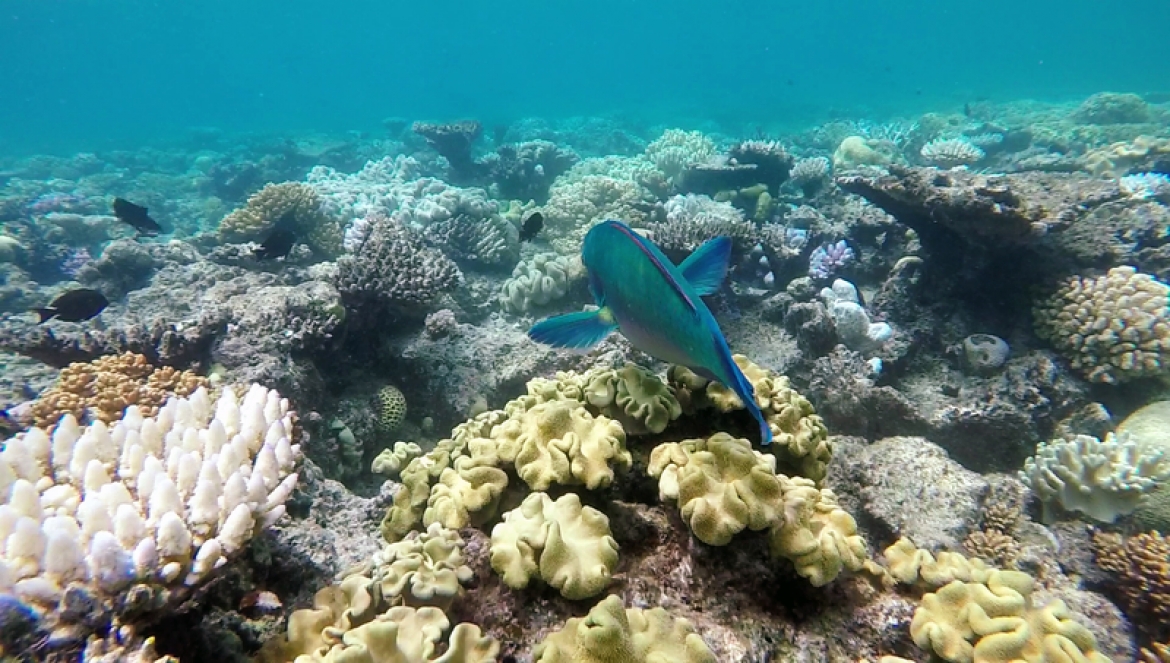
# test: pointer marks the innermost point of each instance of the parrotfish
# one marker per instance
(656, 305)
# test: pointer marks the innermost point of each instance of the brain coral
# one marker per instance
(1112, 328)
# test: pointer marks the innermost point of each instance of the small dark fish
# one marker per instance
(74, 306)
(136, 216)
(531, 227)
(278, 244)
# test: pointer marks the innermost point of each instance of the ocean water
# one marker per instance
(92, 74)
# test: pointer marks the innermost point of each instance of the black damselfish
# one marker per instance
(277, 245)
(531, 227)
(136, 216)
(74, 306)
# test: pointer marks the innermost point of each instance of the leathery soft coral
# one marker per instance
(611, 632)
(723, 486)
(139, 513)
(995, 621)
(568, 545)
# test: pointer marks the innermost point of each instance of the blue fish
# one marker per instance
(655, 305)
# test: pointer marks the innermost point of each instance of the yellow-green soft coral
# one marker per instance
(568, 545)
(634, 396)
(816, 534)
(560, 442)
(800, 440)
(293, 202)
(612, 633)
(995, 621)
(391, 461)
(910, 565)
(424, 569)
(410, 501)
(406, 635)
(721, 484)
(466, 494)
(724, 486)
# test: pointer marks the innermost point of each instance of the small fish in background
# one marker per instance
(531, 227)
(136, 216)
(74, 306)
(656, 305)
(280, 241)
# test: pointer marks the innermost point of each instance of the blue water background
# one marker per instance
(92, 74)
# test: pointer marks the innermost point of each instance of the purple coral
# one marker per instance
(74, 261)
(827, 259)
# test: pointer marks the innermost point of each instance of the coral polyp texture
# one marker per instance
(951, 152)
(293, 205)
(1112, 328)
(136, 514)
(102, 389)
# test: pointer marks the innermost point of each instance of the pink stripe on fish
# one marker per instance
(641, 242)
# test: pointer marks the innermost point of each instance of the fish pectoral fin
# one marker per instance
(574, 330)
(706, 268)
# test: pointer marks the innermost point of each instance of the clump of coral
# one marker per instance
(544, 279)
(129, 519)
(1140, 565)
(1112, 328)
(102, 389)
(293, 205)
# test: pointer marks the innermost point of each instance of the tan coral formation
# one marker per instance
(1112, 328)
(295, 203)
(102, 389)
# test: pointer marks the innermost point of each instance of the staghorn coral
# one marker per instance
(1112, 328)
(995, 621)
(102, 389)
(1141, 567)
(1103, 479)
(292, 203)
(567, 545)
(394, 268)
(951, 152)
(543, 279)
(129, 520)
(612, 633)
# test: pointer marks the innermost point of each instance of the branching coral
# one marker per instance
(568, 545)
(395, 268)
(1141, 566)
(951, 152)
(1112, 328)
(1103, 479)
(613, 633)
(133, 517)
(103, 388)
(692, 220)
(676, 149)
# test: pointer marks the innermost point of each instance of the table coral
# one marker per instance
(102, 389)
(1112, 328)
(568, 545)
(612, 633)
(129, 519)
(966, 622)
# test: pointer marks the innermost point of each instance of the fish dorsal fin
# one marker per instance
(658, 260)
(706, 268)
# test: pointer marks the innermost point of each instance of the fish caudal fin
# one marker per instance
(574, 330)
(706, 268)
(45, 313)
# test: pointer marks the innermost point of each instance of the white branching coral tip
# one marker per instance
(160, 501)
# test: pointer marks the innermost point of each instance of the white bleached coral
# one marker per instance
(951, 152)
(147, 505)
(1103, 479)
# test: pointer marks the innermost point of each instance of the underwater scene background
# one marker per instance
(610, 332)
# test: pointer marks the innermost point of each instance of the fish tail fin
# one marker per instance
(765, 429)
(579, 330)
(45, 313)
